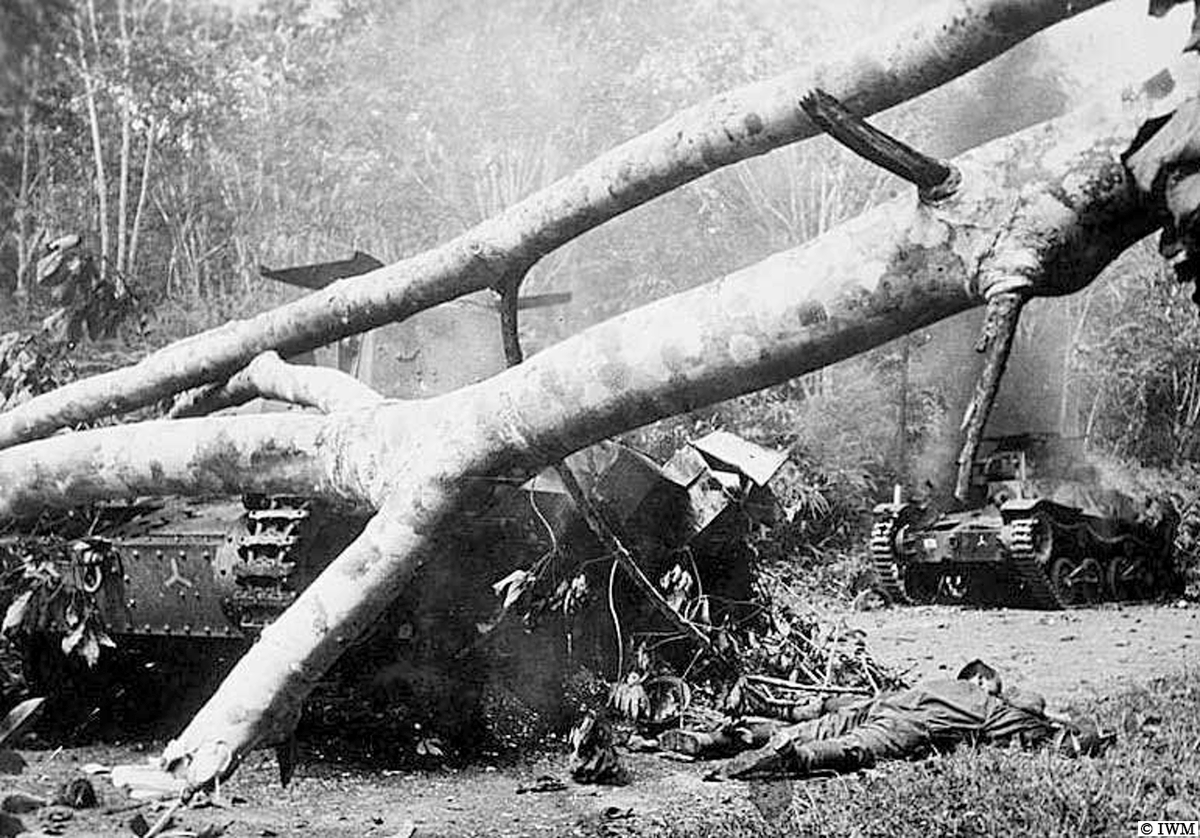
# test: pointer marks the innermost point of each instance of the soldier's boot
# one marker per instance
(823, 756)
(691, 742)
(777, 757)
(725, 741)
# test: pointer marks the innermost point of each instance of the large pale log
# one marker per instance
(943, 42)
(1042, 212)
(276, 453)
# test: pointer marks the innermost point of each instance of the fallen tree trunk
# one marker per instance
(942, 43)
(190, 457)
(1040, 212)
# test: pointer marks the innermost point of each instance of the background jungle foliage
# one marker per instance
(190, 142)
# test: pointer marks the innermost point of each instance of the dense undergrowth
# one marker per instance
(1153, 772)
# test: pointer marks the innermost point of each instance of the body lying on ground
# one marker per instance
(908, 723)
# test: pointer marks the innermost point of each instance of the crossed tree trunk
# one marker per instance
(950, 38)
(1037, 213)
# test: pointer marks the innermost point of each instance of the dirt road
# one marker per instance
(1066, 655)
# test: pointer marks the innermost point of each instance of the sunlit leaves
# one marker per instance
(15, 614)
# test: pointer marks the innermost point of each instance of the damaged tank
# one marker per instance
(180, 587)
(1036, 531)
(174, 587)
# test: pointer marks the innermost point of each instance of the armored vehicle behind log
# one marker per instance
(178, 588)
(1036, 532)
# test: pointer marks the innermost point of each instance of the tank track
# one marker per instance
(883, 556)
(267, 559)
(1026, 568)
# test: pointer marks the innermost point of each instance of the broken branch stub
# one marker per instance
(933, 178)
(509, 334)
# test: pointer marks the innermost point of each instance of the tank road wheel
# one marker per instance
(1076, 582)
(1129, 577)
(956, 587)
(1041, 536)
(1089, 578)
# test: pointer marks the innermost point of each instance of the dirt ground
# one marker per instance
(1066, 655)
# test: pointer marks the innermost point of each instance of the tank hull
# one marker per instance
(1034, 553)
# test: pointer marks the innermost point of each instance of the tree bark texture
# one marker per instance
(941, 43)
(288, 453)
(1042, 211)
(270, 377)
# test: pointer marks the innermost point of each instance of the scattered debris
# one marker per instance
(617, 813)
(164, 820)
(21, 804)
(138, 825)
(641, 744)
(544, 783)
(147, 782)
(19, 720)
(431, 746)
(78, 794)
(57, 814)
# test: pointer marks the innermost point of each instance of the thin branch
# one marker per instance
(270, 377)
(123, 171)
(143, 189)
(89, 88)
(509, 303)
(785, 684)
(604, 532)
